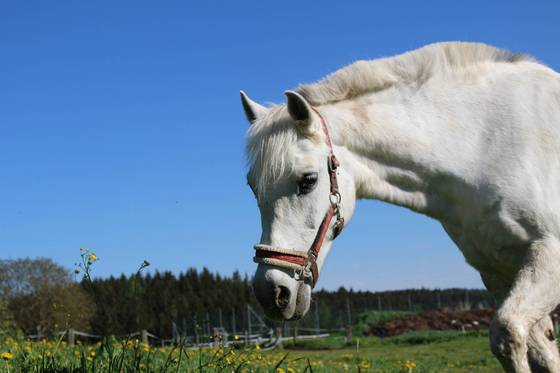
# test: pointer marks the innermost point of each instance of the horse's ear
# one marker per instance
(252, 109)
(298, 107)
(299, 110)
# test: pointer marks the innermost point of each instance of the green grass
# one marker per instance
(431, 351)
(419, 352)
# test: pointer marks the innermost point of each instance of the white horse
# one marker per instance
(465, 133)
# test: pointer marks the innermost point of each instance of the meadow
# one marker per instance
(418, 352)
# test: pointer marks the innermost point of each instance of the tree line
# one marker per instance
(38, 296)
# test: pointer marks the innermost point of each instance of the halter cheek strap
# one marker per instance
(306, 262)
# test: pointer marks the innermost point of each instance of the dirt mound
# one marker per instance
(434, 320)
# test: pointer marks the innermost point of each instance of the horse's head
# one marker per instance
(288, 152)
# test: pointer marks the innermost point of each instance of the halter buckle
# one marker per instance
(335, 198)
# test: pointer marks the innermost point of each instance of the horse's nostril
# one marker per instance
(282, 297)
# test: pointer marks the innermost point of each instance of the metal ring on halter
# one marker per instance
(335, 198)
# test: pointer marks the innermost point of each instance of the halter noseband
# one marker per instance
(306, 262)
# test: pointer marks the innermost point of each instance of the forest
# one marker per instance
(38, 297)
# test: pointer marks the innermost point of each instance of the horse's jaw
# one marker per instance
(281, 296)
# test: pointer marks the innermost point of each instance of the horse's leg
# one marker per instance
(535, 293)
(543, 352)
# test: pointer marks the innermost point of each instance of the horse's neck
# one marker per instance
(394, 153)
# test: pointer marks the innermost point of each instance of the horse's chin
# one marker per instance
(281, 296)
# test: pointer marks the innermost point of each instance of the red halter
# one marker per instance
(306, 262)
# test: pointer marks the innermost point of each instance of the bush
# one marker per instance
(371, 318)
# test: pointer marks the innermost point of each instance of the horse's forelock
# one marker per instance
(268, 142)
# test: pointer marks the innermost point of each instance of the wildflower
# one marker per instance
(92, 353)
(236, 338)
(257, 347)
(6, 356)
(408, 364)
(280, 370)
(364, 365)
(92, 257)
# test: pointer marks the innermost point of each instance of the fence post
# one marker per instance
(246, 338)
(317, 320)
(249, 319)
(279, 336)
(216, 337)
(144, 336)
(71, 337)
(348, 334)
(233, 328)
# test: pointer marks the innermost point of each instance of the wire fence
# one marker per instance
(249, 326)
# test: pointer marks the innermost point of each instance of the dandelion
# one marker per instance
(6, 356)
(364, 365)
(409, 365)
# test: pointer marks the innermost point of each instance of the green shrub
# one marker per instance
(372, 318)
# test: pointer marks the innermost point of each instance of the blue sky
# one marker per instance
(121, 128)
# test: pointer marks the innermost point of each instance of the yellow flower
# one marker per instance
(236, 337)
(364, 365)
(6, 356)
(257, 347)
(92, 353)
(92, 257)
(280, 370)
(291, 370)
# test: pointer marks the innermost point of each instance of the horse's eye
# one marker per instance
(307, 182)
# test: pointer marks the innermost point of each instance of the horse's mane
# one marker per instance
(270, 136)
(419, 65)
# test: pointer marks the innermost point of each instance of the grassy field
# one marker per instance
(412, 352)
